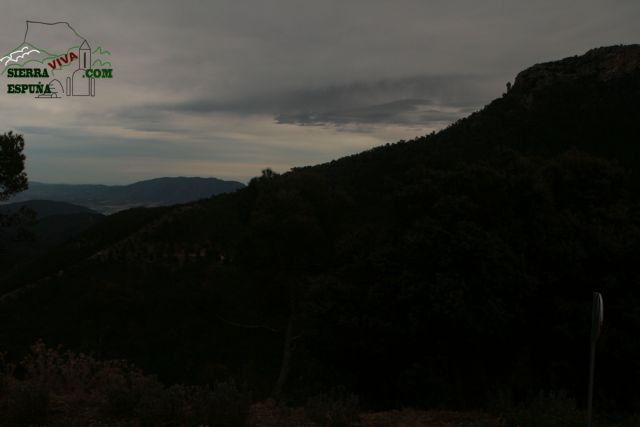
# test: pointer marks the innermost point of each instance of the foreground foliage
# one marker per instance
(68, 389)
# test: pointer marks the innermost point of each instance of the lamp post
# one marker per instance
(596, 327)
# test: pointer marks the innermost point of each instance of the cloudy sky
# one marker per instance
(227, 88)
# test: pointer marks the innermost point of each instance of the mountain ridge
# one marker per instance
(108, 199)
(45, 208)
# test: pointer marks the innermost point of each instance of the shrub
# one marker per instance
(70, 389)
(546, 410)
(223, 406)
(272, 413)
(336, 409)
(159, 406)
(27, 404)
(6, 373)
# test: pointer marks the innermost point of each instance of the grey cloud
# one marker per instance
(413, 100)
(39, 130)
(405, 111)
(348, 65)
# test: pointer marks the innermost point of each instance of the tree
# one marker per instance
(13, 179)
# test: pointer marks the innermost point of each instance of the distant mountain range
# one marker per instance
(108, 199)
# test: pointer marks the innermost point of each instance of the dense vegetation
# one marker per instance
(447, 271)
(38, 226)
(67, 389)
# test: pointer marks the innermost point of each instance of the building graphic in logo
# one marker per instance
(54, 61)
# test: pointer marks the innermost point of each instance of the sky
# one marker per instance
(228, 88)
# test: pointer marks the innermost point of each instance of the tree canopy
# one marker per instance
(13, 178)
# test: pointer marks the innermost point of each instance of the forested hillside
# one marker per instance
(442, 271)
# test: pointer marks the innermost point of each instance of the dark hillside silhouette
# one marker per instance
(44, 225)
(442, 271)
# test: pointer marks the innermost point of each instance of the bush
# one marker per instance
(223, 406)
(148, 401)
(547, 410)
(159, 406)
(337, 409)
(6, 373)
(26, 405)
(71, 389)
(272, 413)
